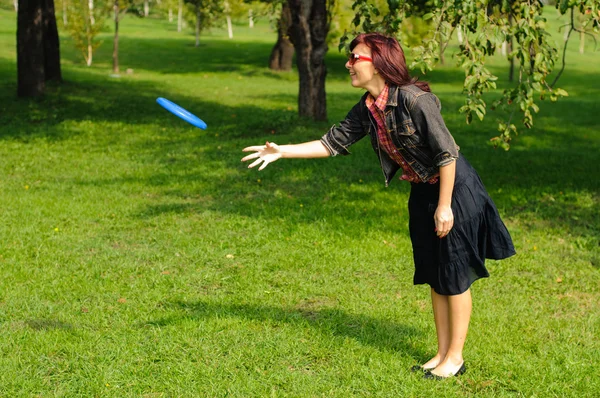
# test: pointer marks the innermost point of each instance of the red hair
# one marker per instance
(388, 59)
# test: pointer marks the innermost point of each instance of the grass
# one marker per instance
(141, 258)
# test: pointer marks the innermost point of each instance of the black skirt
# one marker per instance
(451, 264)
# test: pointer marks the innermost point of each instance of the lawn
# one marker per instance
(141, 258)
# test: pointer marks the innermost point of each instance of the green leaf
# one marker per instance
(480, 114)
(539, 58)
(561, 92)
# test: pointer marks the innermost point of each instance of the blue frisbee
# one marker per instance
(182, 113)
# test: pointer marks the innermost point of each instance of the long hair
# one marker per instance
(388, 59)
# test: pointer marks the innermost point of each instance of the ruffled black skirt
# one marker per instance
(451, 264)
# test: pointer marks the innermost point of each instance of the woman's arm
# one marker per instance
(306, 150)
(443, 217)
(427, 118)
(271, 152)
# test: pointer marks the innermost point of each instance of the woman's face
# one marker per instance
(362, 72)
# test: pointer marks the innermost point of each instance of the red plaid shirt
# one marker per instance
(377, 109)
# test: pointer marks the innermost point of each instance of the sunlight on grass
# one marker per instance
(140, 257)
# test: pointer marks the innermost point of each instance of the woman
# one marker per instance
(454, 225)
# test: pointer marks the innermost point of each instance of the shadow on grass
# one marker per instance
(384, 335)
(48, 324)
(520, 181)
(129, 103)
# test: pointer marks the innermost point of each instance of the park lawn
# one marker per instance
(140, 257)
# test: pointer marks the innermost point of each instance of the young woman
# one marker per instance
(454, 225)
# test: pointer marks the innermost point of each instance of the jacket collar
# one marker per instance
(393, 96)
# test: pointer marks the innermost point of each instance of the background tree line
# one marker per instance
(307, 28)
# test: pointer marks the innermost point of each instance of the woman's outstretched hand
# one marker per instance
(266, 154)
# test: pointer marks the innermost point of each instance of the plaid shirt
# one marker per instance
(377, 109)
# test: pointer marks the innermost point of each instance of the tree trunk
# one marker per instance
(90, 49)
(116, 39)
(16, 4)
(308, 33)
(91, 7)
(282, 54)
(51, 44)
(31, 79)
(146, 8)
(229, 26)
(197, 26)
(90, 55)
(511, 70)
(64, 6)
(180, 16)
(250, 19)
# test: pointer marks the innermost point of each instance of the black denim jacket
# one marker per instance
(414, 121)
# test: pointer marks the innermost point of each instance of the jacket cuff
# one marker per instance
(332, 145)
(444, 159)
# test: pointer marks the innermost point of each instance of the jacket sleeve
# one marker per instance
(428, 121)
(350, 130)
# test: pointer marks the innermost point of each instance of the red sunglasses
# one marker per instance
(352, 58)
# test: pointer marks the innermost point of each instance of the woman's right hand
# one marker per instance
(266, 154)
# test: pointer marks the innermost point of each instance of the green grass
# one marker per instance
(140, 258)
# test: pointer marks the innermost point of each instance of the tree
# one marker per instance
(85, 23)
(206, 13)
(234, 9)
(65, 12)
(116, 13)
(38, 48)
(227, 11)
(118, 7)
(308, 33)
(485, 25)
(180, 16)
(52, 69)
(282, 54)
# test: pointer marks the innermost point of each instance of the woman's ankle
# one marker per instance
(434, 362)
(453, 358)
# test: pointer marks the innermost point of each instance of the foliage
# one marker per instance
(265, 9)
(137, 8)
(124, 6)
(485, 26)
(341, 17)
(238, 9)
(414, 30)
(166, 5)
(205, 12)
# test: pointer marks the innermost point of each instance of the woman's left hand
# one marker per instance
(444, 220)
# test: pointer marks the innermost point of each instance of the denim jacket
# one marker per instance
(415, 124)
